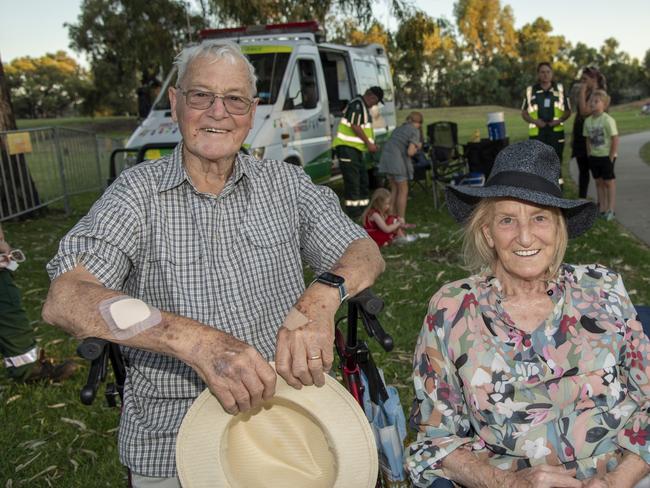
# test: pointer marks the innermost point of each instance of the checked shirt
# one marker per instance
(232, 261)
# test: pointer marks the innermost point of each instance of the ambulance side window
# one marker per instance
(303, 86)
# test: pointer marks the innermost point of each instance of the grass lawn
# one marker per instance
(109, 126)
(53, 440)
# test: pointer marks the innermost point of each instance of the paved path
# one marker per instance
(632, 186)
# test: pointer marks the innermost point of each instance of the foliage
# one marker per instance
(49, 86)
(231, 12)
(128, 42)
(487, 29)
(425, 48)
(478, 58)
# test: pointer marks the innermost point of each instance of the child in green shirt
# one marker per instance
(602, 147)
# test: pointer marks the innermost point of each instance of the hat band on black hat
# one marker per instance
(528, 181)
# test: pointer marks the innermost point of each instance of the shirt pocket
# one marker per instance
(175, 279)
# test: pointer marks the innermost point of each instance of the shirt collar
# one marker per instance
(175, 172)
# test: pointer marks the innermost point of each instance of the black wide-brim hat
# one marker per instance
(528, 171)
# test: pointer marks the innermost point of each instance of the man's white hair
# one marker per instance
(214, 51)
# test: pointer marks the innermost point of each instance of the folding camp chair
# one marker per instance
(449, 164)
(421, 167)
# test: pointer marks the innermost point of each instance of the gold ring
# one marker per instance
(314, 357)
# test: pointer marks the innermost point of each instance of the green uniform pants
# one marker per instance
(17, 341)
(355, 180)
(553, 139)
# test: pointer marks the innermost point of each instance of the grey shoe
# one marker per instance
(609, 215)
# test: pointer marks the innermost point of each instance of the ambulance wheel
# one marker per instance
(294, 161)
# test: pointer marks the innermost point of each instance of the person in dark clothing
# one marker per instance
(591, 79)
(24, 361)
(545, 108)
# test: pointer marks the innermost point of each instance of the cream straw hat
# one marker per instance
(312, 438)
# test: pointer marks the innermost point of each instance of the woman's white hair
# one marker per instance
(214, 51)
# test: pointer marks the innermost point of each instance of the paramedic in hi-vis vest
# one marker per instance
(545, 108)
(354, 137)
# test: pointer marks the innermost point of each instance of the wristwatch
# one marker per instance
(335, 281)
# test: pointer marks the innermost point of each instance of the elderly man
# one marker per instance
(354, 137)
(193, 262)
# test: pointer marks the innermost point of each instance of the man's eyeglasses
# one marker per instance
(203, 100)
(15, 255)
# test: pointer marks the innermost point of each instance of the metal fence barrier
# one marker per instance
(41, 166)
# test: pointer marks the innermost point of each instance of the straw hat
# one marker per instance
(529, 171)
(313, 437)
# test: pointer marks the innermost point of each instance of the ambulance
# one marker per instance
(303, 87)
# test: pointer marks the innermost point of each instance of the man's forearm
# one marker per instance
(73, 304)
(360, 265)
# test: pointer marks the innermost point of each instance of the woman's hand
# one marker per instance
(542, 476)
(602, 481)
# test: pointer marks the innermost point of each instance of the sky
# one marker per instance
(35, 27)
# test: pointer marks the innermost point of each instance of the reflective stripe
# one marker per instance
(357, 203)
(558, 111)
(27, 358)
(347, 123)
(347, 138)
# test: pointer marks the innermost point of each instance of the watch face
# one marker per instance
(331, 278)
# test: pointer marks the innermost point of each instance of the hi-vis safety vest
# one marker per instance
(559, 102)
(345, 136)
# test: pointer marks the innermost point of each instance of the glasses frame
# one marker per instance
(214, 96)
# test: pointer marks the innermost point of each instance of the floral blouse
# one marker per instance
(574, 392)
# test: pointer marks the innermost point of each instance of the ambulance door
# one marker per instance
(307, 133)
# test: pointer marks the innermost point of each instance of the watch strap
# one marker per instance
(343, 291)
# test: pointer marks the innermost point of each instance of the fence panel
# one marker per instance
(41, 166)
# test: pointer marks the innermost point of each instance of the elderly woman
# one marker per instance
(531, 372)
(395, 161)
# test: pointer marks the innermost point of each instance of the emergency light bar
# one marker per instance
(310, 26)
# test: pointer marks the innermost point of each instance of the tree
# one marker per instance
(486, 29)
(49, 86)
(265, 12)
(128, 42)
(17, 190)
(426, 49)
(7, 118)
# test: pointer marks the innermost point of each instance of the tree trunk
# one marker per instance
(17, 190)
(7, 119)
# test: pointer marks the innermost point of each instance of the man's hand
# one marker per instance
(539, 123)
(542, 476)
(235, 372)
(372, 147)
(304, 352)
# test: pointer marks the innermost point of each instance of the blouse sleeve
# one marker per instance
(634, 362)
(439, 414)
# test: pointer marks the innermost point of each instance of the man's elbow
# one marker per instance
(51, 308)
(377, 258)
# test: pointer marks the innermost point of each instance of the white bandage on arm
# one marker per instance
(126, 316)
